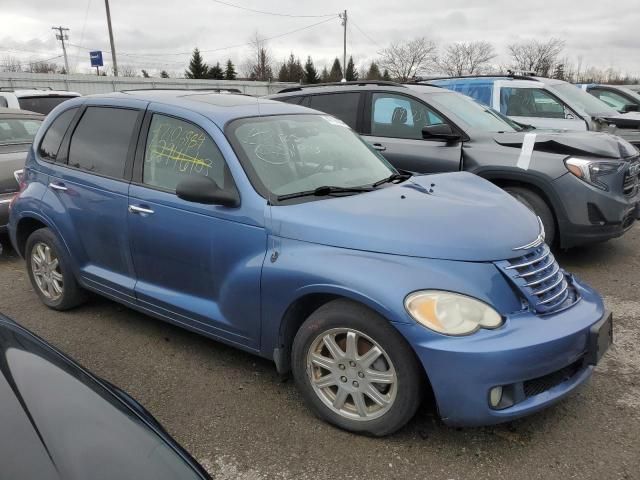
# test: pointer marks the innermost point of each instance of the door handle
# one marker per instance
(135, 209)
(58, 187)
(379, 147)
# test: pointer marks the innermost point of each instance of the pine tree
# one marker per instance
(164, 74)
(324, 76)
(283, 74)
(310, 73)
(386, 76)
(216, 72)
(352, 72)
(335, 75)
(197, 67)
(145, 74)
(374, 72)
(230, 72)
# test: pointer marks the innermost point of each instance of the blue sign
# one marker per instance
(96, 58)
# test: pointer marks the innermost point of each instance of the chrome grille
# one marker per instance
(632, 179)
(538, 276)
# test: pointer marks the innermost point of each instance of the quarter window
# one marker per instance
(177, 149)
(341, 105)
(398, 116)
(530, 102)
(100, 143)
(53, 138)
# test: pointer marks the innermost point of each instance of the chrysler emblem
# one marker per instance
(537, 242)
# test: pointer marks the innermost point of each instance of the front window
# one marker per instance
(576, 96)
(529, 102)
(473, 114)
(612, 99)
(286, 154)
(14, 130)
(398, 116)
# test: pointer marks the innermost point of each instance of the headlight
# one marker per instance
(592, 171)
(451, 313)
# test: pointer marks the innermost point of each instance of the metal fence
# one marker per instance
(88, 84)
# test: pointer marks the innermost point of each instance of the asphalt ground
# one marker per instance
(241, 421)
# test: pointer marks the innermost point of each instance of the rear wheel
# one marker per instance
(537, 205)
(355, 370)
(49, 272)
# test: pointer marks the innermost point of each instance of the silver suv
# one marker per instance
(41, 100)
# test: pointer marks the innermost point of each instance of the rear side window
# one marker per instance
(41, 104)
(176, 150)
(15, 130)
(51, 142)
(341, 105)
(294, 100)
(100, 142)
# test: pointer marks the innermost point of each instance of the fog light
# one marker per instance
(495, 396)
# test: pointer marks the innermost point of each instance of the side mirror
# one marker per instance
(441, 131)
(205, 190)
(630, 107)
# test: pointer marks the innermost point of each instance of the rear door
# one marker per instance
(196, 265)
(87, 193)
(529, 104)
(392, 124)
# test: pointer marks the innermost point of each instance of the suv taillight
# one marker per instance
(21, 179)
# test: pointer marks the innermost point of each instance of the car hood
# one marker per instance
(60, 423)
(592, 144)
(454, 216)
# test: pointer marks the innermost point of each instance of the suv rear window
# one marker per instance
(100, 142)
(53, 138)
(341, 105)
(41, 104)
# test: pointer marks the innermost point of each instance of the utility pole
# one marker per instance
(343, 17)
(62, 36)
(113, 47)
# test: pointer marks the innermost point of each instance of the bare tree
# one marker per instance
(42, 67)
(10, 64)
(536, 56)
(259, 65)
(466, 58)
(404, 60)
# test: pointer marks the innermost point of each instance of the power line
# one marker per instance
(364, 34)
(84, 25)
(271, 13)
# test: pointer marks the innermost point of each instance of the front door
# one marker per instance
(196, 265)
(393, 126)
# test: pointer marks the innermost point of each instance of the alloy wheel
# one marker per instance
(45, 267)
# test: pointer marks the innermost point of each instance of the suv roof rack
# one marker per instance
(212, 89)
(13, 89)
(516, 75)
(339, 84)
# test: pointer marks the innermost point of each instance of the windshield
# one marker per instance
(41, 104)
(13, 130)
(576, 96)
(286, 154)
(473, 114)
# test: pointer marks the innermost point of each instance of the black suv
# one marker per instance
(584, 186)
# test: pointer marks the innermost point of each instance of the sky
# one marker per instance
(157, 34)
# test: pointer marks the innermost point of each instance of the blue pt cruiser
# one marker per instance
(276, 229)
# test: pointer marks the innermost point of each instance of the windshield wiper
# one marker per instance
(323, 192)
(392, 178)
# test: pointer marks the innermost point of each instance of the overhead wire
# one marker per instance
(264, 12)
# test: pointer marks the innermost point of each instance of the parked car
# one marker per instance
(59, 421)
(620, 97)
(546, 103)
(41, 100)
(585, 186)
(17, 130)
(274, 228)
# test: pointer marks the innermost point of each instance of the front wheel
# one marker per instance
(355, 370)
(537, 205)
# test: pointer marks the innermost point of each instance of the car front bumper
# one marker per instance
(593, 215)
(537, 360)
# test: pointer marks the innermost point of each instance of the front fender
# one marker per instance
(379, 281)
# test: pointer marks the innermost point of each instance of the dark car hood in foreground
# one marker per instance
(464, 218)
(591, 144)
(58, 422)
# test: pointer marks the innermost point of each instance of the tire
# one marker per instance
(537, 205)
(396, 363)
(68, 293)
